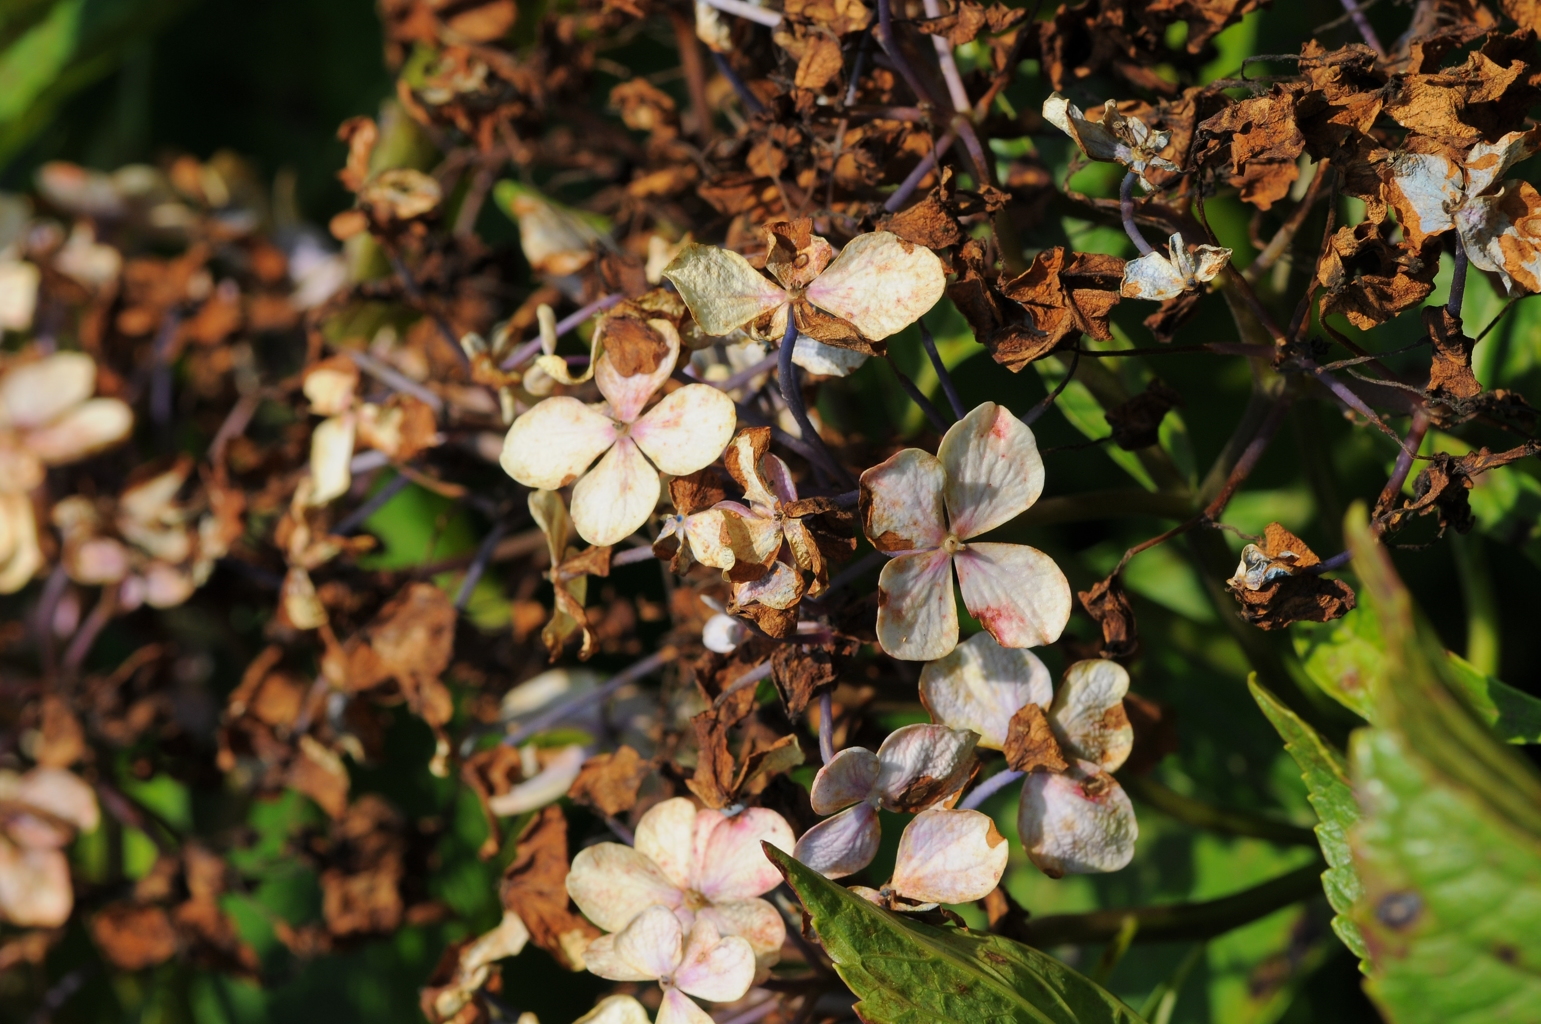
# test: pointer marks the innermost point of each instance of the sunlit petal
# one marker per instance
(981, 684)
(551, 445)
(949, 856)
(1016, 592)
(616, 497)
(880, 284)
(994, 471)
(917, 616)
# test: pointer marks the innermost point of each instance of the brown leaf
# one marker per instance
(645, 108)
(610, 782)
(697, 492)
(62, 742)
(1173, 314)
(716, 771)
(1030, 743)
(1108, 605)
(1371, 279)
(534, 886)
(488, 773)
(360, 134)
(1450, 373)
(1066, 294)
(411, 641)
(961, 26)
(1137, 423)
(1274, 593)
(800, 673)
(1442, 489)
(133, 936)
(320, 774)
(821, 62)
(361, 889)
(632, 346)
(1260, 141)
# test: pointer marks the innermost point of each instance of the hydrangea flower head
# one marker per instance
(1158, 278)
(700, 963)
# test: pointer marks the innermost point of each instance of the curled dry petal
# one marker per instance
(551, 445)
(993, 470)
(1016, 592)
(920, 765)
(981, 684)
(1077, 822)
(721, 288)
(718, 968)
(848, 778)
(880, 284)
(949, 856)
(1502, 234)
(687, 430)
(614, 499)
(612, 884)
(36, 393)
(1426, 188)
(917, 616)
(1088, 713)
(1158, 278)
(551, 783)
(1116, 138)
(843, 844)
(901, 502)
(331, 453)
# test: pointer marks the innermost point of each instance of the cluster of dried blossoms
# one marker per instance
(225, 421)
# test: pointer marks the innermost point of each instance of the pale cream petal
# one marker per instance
(331, 452)
(298, 594)
(949, 856)
(753, 920)
(1488, 161)
(687, 430)
(722, 290)
(35, 889)
(1016, 592)
(1424, 188)
(612, 884)
(981, 684)
(708, 536)
(550, 514)
(62, 794)
(718, 968)
(1211, 260)
(880, 284)
(615, 1010)
(22, 557)
(678, 1008)
(555, 240)
(827, 360)
(848, 778)
(166, 586)
(652, 944)
(1088, 713)
(917, 616)
(603, 959)
(923, 764)
(32, 394)
(18, 294)
(743, 461)
(901, 502)
(616, 497)
(750, 537)
(551, 445)
(1502, 234)
(666, 835)
(86, 429)
(1092, 137)
(550, 783)
(994, 471)
(730, 863)
(1077, 822)
(841, 845)
(329, 387)
(1152, 277)
(627, 395)
(723, 633)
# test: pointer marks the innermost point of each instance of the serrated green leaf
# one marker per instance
(1332, 797)
(905, 972)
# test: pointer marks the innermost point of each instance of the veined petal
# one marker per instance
(600, 958)
(687, 430)
(627, 395)
(551, 445)
(36, 393)
(730, 863)
(922, 764)
(708, 536)
(677, 1007)
(751, 538)
(917, 617)
(652, 945)
(550, 514)
(841, 845)
(719, 968)
(753, 920)
(1152, 277)
(615, 1010)
(743, 459)
(981, 684)
(1016, 592)
(1088, 713)
(615, 498)
(1489, 161)
(848, 778)
(880, 284)
(331, 452)
(1076, 823)
(994, 471)
(84, 430)
(1424, 188)
(781, 588)
(949, 856)
(721, 288)
(612, 884)
(1502, 234)
(901, 502)
(666, 835)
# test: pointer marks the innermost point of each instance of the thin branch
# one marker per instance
(415, 293)
(749, 12)
(748, 374)
(479, 563)
(932, 413)
(1126, 212)
(554, 714)
(354, 520)
(395, 379)
(989, 787)
(942, 373)
(750, 101)
(912, 180)
(1048, 400)
(1362, 23)
(826, 727)
(792, 394)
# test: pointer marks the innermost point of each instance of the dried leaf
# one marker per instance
(1136, 423)
(1108, 605)
(610, 782)
(1030, 743)
(534, 887)
(1272, 591)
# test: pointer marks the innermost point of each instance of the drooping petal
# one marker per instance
(719, 968)
(880, 284)
(1489, 161)
(1092, 137)
(331, 452)
(1016, 592)
(627, 395)
(781, 588)
(612, 884)
(89, 427)
(920, 765)
(722, 290)
(1211, 260)
(981, 684)
(752, 539)
(708, 537)
(687, 430)
(1088, 715)
(551, 445)
(753, 920)
(652, 944)
(917, 616)
(33, 394)
(1078, 822)
(677, 1007)
(35, 887)
(901, 502)
(1152, 277)
(949, 856)
(551, 783)
(550, 514)
(615, 498)
(666, 835)
(841, 845)
(828, 360)
(1502, 234)
(1424, 188)
(20, 555)
(994, 471)
(615, 1010)
(743, 459)
(848, 778)
(730, 863)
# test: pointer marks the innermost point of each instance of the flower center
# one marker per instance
(952, 545)
(695, 901)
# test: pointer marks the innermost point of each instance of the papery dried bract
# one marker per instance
(1117, 138)
(1157, 277)
(980, 685)
(1076, 822)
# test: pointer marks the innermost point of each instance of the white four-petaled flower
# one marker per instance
(656, 947)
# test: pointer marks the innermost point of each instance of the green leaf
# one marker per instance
(905, 972)
(1449, 841)
(1514, 714)
(1332, 797)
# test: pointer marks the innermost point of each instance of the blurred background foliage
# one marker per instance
(109, 82)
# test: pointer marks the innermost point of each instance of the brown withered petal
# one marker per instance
(1273, 593)
(697, 492)
(633, 346)
(1066, 294)
(1442, 489)
(1030, 743)
(801, 672)
(361, 892)
(133, 936)
(1450, 373)
(715, 768)
(1137, 423)
(1259, 141)
(610, 782)
(320, 774)
(1173, 314)
(1108, 605)
(534, 886)
(1370, 278)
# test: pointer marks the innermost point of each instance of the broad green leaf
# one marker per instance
(1514, 715)
(1449, 840)
(904, 972)
(1331, 795)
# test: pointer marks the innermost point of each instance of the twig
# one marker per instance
(933, 414)
(632, 556)
(912, 180)
(749, 12)
(85, 637)
(1126, 212)
(356, 519)
(751, 678)
(479, 563)
(1048, 400)
(826, 727)
(989, 787)
(393, 378)
(792, 394)
(942, 373)
(850, 574)
(652, 663)
(1362, 23)
(748, 374)
(949, 65)
(1513, 299)
(750, 101)
(1282, 238)
(890, 44)
(415, 293)
(1404, 463)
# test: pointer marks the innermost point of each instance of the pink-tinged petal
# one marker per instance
(730, 863)
(551, 445)
(753, 920)
(36, 393)
(331, 452)
(949, 856)
(994, 471)
(601, 958)
(779, 478)
(922, 764)
(718, 968)
(687, 430)
(848, 778)
(1502, 234)
(1088, 715)
(62, 794)
(901, 502)
(722, 290)
(615, 1010)
(35, 889)
(652, 945)
(88, 428)
(612, 884)
(551, 783)
(616, 497)
(917, 616)
(1016, 592)
(841, 845)
(1076, 823)
(678, 1008)
(880, 284)
(666, 835)
(981, 684)
(627, 395)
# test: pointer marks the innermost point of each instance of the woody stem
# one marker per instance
(1458, 280)
(1126, 209)
(792, 394)
(890, 44)
(912, 181)
(942, 374)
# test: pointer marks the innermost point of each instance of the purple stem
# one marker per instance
(908, 185)
(792, 394)
(1362, 23)
(933, 414)
(750, 101)
(393, 378)
(599, 305)
(1332, 564)
(748, 374)
(989, 787)
(942, 373)
(479, 564)
(1458, 279)
(890, 44)
(826, 727)
(554, 714)
(355, 519)
(1126, 208)
(632, 556)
